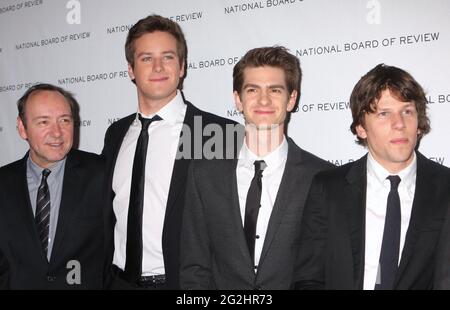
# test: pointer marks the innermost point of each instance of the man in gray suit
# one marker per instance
(242, 216)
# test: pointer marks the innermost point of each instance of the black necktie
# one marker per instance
(390, 246)
(133, 263)
(42, 215)
(252, 206)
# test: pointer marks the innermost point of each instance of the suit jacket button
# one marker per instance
(51, 278)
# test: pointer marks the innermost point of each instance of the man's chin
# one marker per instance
(263, 127)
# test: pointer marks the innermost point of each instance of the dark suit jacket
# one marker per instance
(214, 249)
(442, 273)
(332, 246)
(175, 204)
(4, 272)
(79, 234)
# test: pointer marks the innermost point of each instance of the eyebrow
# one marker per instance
(258, 86)
(277, 86)
(405, 105)
(164, 53)
(47, 117)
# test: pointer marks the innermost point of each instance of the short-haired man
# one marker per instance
(147, 168)
(51, 200)
(375, 223)
(242, 218)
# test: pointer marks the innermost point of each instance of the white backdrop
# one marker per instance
(78, 45)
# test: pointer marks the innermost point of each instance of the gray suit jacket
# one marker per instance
(214, 252)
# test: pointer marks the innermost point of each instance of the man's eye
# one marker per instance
(408, 112)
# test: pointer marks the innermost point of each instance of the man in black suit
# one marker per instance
(375, 223)
(152, 149)
(51, 201)
(242, 216)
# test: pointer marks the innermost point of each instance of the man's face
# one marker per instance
(264, 99)
(157, 67)
(391, 132)
(48, 128)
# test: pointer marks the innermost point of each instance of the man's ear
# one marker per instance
(182, 70)
(292, 101)
(130, 72)
(361, 132)
(237, 101)
(21, 129)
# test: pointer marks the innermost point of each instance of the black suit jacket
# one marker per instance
(79, 234)
(442, 273)
(332, 245)
(175, 204)
(214, 249)
(4, 271)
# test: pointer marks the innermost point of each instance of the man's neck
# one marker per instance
(150, 106)
(263, 141)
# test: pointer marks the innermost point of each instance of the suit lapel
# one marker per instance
(117, 143)
(69, 200)
(355, 202)
(229, 173)
(25, 209)
(288, 193)
(420, 213)
(180, 168)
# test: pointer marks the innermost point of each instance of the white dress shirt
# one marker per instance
(162, 149)
(378, 188)
(245, 170)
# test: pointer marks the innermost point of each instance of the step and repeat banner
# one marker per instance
(79, 45)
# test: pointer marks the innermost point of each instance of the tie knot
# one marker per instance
(395, 180)
(45, 173)
(147, 121)
(260, 165)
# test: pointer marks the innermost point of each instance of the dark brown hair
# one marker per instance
(400, 83)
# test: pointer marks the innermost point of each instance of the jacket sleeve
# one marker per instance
(4, 272)
(442, 270)
(310, 263)
(195, 253)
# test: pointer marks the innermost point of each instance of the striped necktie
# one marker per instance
(42, 217)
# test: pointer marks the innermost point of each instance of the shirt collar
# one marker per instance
(273, 160)
(172, 113)
(379, 173)
(36, 171)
